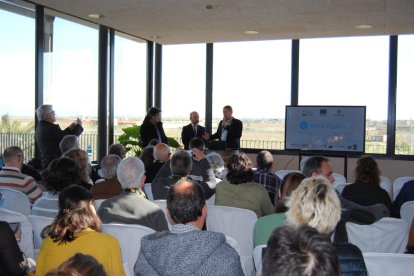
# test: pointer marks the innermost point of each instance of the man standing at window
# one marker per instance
(193, 130)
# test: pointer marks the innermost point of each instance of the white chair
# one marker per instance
(387, 264)
(211, 200)
(129, 238)
(238, 224)
(258, 258)
(386, 184)
(162, 203)
(398, 184)
(15, 200)
(98, 203)
(38, 224)
(407, 211)
(282, 173)
(26, 242)
(148, 191)
(340, 181)
(388, 235)
(233, 244)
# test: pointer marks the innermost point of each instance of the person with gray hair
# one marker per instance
(110, 186)
(161, 154)
(69, 142)
(48, 134)
(180, 166)
(217, 164)
(131, 206)
(117, 149)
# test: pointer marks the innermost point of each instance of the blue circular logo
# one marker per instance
(303, 125)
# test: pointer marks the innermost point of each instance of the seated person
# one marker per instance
(366, 189)
(11, 258)
(79, 265)
(117, 149)
(301, 251)
(240, 191)
(181, 166)
(187, 250)
(405, 194)
(69, 142)
(77, 229)
(264, 176)
(110, 186)
(81, 159)
(217, 164)
(161, 155)
(147, 155)
(201, 169)
(131, 207)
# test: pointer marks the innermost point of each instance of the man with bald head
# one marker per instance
(162, 154)
(192, 130)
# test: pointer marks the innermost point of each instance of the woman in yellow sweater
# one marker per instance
(76, 229)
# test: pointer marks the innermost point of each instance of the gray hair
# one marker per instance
(11, 152)
(130, 172)
(216, 162)
(181, 163)
(313, 164)
(69, 142)
(109, 165)
(42, 112)
(161, 151)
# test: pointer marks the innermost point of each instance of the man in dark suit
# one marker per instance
(192, 130)
(49, 135)
(229, 129)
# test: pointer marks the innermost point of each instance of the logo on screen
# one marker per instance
(303, 125)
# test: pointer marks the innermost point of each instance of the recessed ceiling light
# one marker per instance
(95, 16)
(363, 26)
(251, 32)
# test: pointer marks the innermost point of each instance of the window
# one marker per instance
(253, 78)
(348, 71)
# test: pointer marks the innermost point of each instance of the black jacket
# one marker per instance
(234, 132)
(148, 132)
(188, 133)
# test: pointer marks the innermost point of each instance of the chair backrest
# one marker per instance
(162, 203)
(98, 203)
(399, 183)
(239, 224)
(281, 173)
(258, 258)
(386, 184)
(407, 211)
(385, 264)
(15, 200)
(148, 191)
(233, 244)
(129, 238)
(211, 200)
(388, 235)
(339, 179)
(38, 224)
(26, 242)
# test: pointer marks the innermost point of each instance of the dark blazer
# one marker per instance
(48, 137)
(148, 132)
(10, 254)
(234, 132)
(152, 169)
(187, 134)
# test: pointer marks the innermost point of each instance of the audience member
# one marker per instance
(187, 250)
(405, 194)
(11, 176)
(240, 191)
(130, 207)
(316, 204)
(264, 226)
(147, 155)
(76, 229)
(110, 186)
(117, 149)
(229, 129)
(366, 189)
(69, 142)
(201, 169)
(180, 166)
(217, 164)
(79, 265)
(48, 135)
(297, 252)
(161, 155)
(192, 130)
(60, 173)
(11, 258)
(265, 176)
(152, 128)
(81, 159)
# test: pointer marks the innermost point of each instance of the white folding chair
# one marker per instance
(340, 181)
(162, 203)
(386, 184)
(407, 211)
(148, 191)
(398, 184)
(38, 224)
(238, 224)
(258, 259)
(387, 264)
(15, 200)
(129, 238)
(281, 173)
(233, 244)
(388, 235)
(211, 200)
(98, 203)
(26, 242)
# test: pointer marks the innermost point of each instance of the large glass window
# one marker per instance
(130, 82)
(404, 134)
(71, 73)
(348, 71)
(183, 86)
(253, 78)
(17, 76)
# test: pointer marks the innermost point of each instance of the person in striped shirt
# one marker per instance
(12, 177)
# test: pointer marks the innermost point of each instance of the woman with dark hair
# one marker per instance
(366, 189)
(79, 265)
(81, 159)
(240, 191)
(151, 127)
(76, 229)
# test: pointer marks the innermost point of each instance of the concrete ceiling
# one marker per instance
(188, 21)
